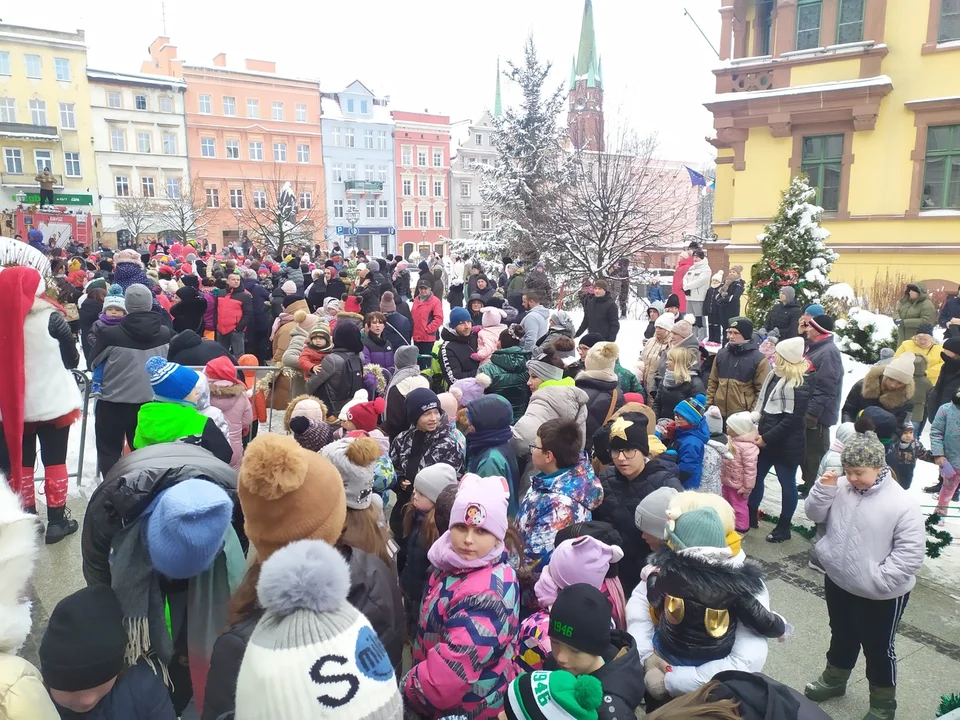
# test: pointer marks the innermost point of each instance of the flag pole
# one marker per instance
(697, 25)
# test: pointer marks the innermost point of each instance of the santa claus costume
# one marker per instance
(39, 398)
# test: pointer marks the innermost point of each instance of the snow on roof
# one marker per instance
(29, 135)
(843, 49)
(946, 98)
(331, 110)
(878, 81)
(255, 73)
(160, 80)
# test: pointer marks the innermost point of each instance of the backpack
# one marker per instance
(349, 382)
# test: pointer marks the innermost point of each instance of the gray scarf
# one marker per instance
(669, 380)
(781, 397)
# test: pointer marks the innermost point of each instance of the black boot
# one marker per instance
(754, 517)
(934, 489)
(781, 533)
(59, 524)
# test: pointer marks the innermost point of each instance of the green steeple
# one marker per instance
(587, 65)
(497, 103)
(573, 74)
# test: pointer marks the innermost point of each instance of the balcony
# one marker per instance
(361, 187)
(25, 179)
(23, 131)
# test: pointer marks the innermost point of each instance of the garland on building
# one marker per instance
(808, 532)
(941, 538)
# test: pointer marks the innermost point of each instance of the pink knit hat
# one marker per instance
(482, 503)
(493, 316)
(578, 560)
(449, 404)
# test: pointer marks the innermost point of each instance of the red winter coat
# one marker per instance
(427, 318)
(683, 265)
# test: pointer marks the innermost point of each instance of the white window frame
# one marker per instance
(422, 187)
(408, 218)
(407, 186)
(253, 108)
(406, 156)
(274, 107)
(229, 106)
(43, 159)
(148, 187)
(466, 189)
(336, 137)
(478, 139)
(280, 152)
(383, 209)
(306, 200)
(212, 196)
(381, 139)
(371, 210)
(438, 188)
(369, 173)
(364, 106)
(303, 153)
(208, 147)
(486, 221)
(4, 62)
(38, 111)
(233, 145)
(351, 173)
(368, 139)
(28, 63)
(301, 112)
(438, 218)
(71, 164)
(166, 104)
(349, 138)
(424, 218)
(256, 145)
(61, 69)
(174, 188)
(466, 221)
(236, 198)
(13, 161)
(351, 204)
(338, 208)
(337, 173)
(121, 185)
(113, 95)
(259, 199)
(204, 105)
(141, 137)
(382, 174)
(68, 117)
(8, 110)
(118, 140)
(166, 140)
(421, 158)
(136, 102)
(438, 158)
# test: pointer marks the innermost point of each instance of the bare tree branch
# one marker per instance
(186, 216)
(139, 213)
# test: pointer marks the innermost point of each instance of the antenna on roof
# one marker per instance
(163, 16)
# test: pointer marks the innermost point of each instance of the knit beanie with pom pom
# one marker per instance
(288, 493)
(602, 357)
(556, 695)
(354, 458)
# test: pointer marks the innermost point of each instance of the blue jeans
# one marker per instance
(786, 475)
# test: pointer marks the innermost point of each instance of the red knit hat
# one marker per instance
(352, 304)
(221, 369)
(366, 416)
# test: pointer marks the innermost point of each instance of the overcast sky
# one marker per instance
(435, 54)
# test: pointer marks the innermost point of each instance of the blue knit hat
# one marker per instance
(170, 381)
(185, 530)
(490, 412)
(458, 315)
(692, 410)
(814, 310)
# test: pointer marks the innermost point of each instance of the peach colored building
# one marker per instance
(249, 132)
(422, 155)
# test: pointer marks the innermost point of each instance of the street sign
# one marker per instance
(339, 229)
(354, 231)
(393, 231)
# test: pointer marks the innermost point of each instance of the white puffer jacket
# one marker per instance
(565, 402)
(697, 280)
(875, 541)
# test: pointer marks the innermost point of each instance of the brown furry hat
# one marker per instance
(307, 406)
(288, 494)
(602, 357)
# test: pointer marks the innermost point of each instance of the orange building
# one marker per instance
(250, 132)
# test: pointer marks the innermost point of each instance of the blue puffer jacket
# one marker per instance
(689, 444)
(139, 694)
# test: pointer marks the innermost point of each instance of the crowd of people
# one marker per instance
(549, 528)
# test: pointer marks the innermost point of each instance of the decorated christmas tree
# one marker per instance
(794, 253)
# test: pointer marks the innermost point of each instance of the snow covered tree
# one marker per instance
(794, 253)
(280, 211)
(530, 171)
(185, 215)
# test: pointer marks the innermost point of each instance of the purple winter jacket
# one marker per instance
(378, 351)
(208, 315)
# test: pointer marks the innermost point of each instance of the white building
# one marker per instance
(140, 144)
(471, 150)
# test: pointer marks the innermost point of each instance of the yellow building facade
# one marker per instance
(863, 96)
(45, 117)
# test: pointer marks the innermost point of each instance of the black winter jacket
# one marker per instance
(188, 348)
(783, 433)
(669, 397)
(277, 297)
(455, 352)
(138, 694)
(620, 500)
(369, 298)
(760, 697)
(599, 398)
(132, 484)
(316, 294)
(89, 314)
(785, 318)
(948, 384)
(188, 313)
(262, 320)
(402, 283)
(601, 315)
(60, 331)
(869, 392)
(826, 364)
(373, 591)
(729, 301)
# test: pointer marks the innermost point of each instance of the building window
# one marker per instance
(13, 159)
(279, 152)
(407, 188)
(438, 188)
(336, 137)
(338, 209)
(822, 161)
(253, 109)
(466, 221)
(423, 219)
(364, 104)
(350, 105)
(62, 67)
(941, 176)
(147, 188)
(350, 142)
(352, 207)
(38, 112)
(229, 106)
(465, 190)
(208, 147)
(369, 173)
(140, 101)
(203, 105)
(256, 150)
(259, 199)
(122, 183)
(438, 218)
(485, 221)
(382, 174)
(383, 208)
(351, 171)
(114, 100)
(213, 197)
(8, 110)
(382, 139)
(68, 119)
(143, 142)
(422, 188)
(173, 188)
(4, 62)
(233, 149)
(371, 206)
(71, 162)
(478, 137)
(407, 218)
(406, 156)
(422, 158)
(438, 158)
(484, 161)
(850, 21)
(43, 159)
(166, 104)
(765, 25)
(306, 200)
(301, 113)
(338, 172)
(808, 23)
(118, 141)
(277, 111)
(368, 139)
(236, 199)
(33, 65)
(949, 28)
(169, 144)
(303, 153)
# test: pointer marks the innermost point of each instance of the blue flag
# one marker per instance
(696, 178)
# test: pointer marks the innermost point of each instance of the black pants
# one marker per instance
(818, 442)
(425, 351)
(53, 447)
(46, 197)
(115, 422)
(857, 622)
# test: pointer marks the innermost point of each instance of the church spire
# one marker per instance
(497, 102)
(587, 59)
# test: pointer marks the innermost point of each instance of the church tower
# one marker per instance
(585, 113)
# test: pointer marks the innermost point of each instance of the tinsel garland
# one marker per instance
(807, 532)
(790, 278)
(948, 703)
(941, 537)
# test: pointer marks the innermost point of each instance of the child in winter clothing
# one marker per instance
(906, 450)
(317, 347)
(228, 394)
(868, 581)
(739, 473)
(581, 560)
(923, 386)
(717, 451)
(82, 661)
(489, 335)
(114, 310)
(472, 592)
(566, 696)
(306, 420)
(690, 438)
(564, 491)
(489, 453)
(945, 448)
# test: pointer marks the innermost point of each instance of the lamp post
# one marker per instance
(20, 197)
(239, 216)
(353, 217)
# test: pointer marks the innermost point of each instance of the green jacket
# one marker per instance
(517, 280)
(629, 383)
(913, 312)
(507, 370)
(163, 422)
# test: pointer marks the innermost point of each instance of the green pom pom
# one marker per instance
(588, 692)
